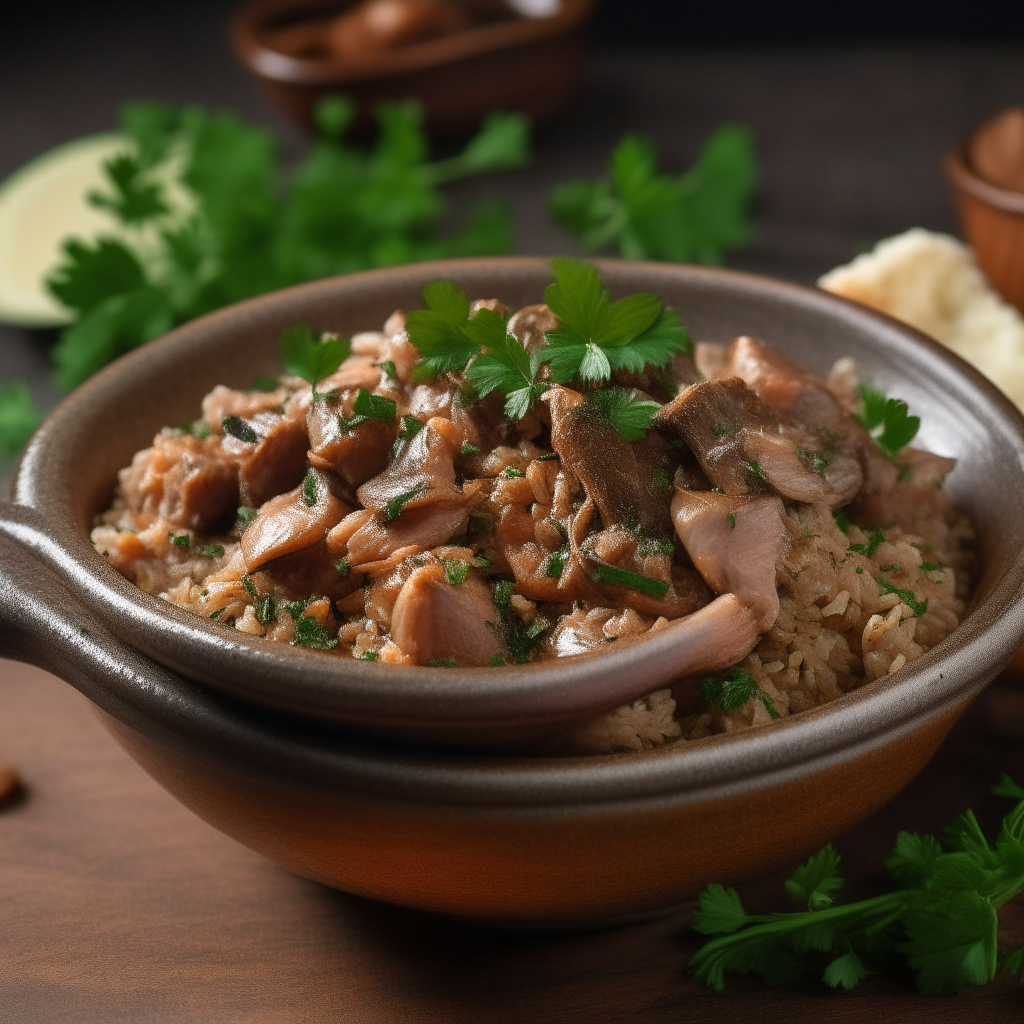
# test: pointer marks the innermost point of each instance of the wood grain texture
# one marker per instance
(118, 905)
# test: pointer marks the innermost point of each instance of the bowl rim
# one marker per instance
(470, 43)
(958, 170)
(998, 620)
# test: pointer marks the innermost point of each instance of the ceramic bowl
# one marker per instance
(522, 64)
(246, 734)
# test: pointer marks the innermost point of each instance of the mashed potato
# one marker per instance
(932, 282)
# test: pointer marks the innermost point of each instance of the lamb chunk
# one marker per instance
(355, 451)
(481, 424)
(609, 467)
(735, 543)
(222, 402)
(530, 324)
(186, 479)
(275, 462)
(435, 621)
(308, 570)
(288, 522)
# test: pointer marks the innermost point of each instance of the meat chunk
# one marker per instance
(188, 480)
(274, 462)
(735, 543)
(291, 522)
(434, 621)
(353, 446)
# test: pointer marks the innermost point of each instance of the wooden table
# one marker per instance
(118, 906)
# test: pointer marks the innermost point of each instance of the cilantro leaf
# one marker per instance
(133, 199)
(374, 407)
(630, 416)
(394, 508)
(311, 357)
(846, 971)
(876, 538)
(18, 417)
(912, 862)
(90, 275)
(815, 883)
(906, 596)
(1008, 788)
(887, 419)
(692, 218)
(719, 911)
(733, 690)
(502, 143)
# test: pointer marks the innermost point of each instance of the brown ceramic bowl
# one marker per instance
(992, 219)
(249, 746)
(529, 65)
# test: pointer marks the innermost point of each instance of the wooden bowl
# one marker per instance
(992, 219)
(519, 64)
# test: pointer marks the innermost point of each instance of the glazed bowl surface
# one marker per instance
(264, 742)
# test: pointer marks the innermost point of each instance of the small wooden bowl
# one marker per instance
(519, 64)
(992, 219)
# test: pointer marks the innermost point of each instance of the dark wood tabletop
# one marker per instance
(118, 906)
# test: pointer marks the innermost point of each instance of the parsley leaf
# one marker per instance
(692, 218)
(906, 596)
(309, 632)
(620, 407)
(815, 883)
(596, 336)
(374, 407)
(438, 332)
(18, 417)
(182, 540)
(238, 428)
(455, 571)
(733, 690)
(876, 538)
(134, 198)
(393, 509)
(210, 550)
(311, 356)
(887, 419)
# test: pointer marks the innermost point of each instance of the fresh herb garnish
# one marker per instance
(368, 656)
(250, 587)
(438, 332)
(393, 509)
(817, 462)
(455, 571)
(217, 614)
(265, 384)
(181, 540)
(343, 567)
(941, 921)
(309, 489)
(732, 521)
(374, 407)
(468, 449)
(754, 469)
(244, 517)
(18, 418)
(692, 218)
(596, 336)
(876, 538)
(265, 609)
(311, 356)
(629, 415)
(210, 550)
(510, 472)
(556, 563)
(347, 423)
(906, 596)
(733, 690)
(842, 519)
(237, 427)
(309, 632)
(604, 573)
(497, 661)
(930, 566)
(887, 419)
(409, 429)
(521, 640)
(389, 368)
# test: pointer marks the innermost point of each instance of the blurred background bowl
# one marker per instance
(533, 65)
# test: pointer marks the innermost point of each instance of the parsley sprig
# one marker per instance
(888, 419)
(733, 690)
(311, 356)
(629, 415)
(941, 920)
(692, 218)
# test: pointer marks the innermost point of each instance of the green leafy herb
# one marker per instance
(596, 336)
(181, 540)
(237, 427)
(374, 407)
(497, 661)
(311, 356)
(393, 509)
(244, 517)
(368, 656)
(876, 538)
(732, 521)
(217, 614)
(620, 407)
(510, 472)
(930, 566)
(250, 587)
(347, 423)
(309, 489)
(265, 384)
(604, 573)
(390, 371)
(455, 570)
(503, 365)
(438, 332)
(409, 429)
(887, 419)
(906, 596)
(309, 632)
(210, 550)
(556, 563)
(18, 418)
(817, 462)
(733, 690)
(343, 567)
(265, 609)
(941, 920)
(521, 640)
(692, 218)
(468, 449)
(842, 519)
(754, 469)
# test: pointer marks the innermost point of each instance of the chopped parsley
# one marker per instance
(374, 407)
(309, 632)
(629, 415)
(309, 489)
(511, 472)
(930, 566)
(311, 356)
(604, 573)
(349, 423)
(455, 571)
(368, 656)
(393, 509)
(389, 369)
(732, 521)
(344, 569)
(521, 640)
(906, 596)
(556, 563)
(497, 661)
(817, 462)
(250, 587)
(438, 332)
(876, 538)
(754, 469)
(468, 449)
(842, 519)
(210, 550)
(265, 609)
(409, 429)
(217, 614)
(733, 690)
(244, 516)
(887, 420)
(940, 918)
(237, 427)
(181, 540)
